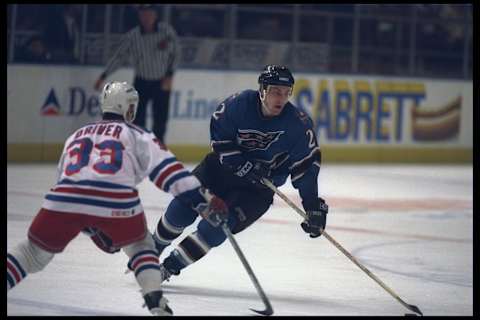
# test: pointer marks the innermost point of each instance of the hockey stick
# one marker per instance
(269, 310)
(339, 247)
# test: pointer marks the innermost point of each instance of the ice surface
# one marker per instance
(411, 225)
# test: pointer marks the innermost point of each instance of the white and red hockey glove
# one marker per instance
(214, 210)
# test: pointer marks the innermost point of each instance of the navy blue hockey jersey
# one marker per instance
(239, 132)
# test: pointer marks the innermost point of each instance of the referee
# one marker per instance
(153, 49)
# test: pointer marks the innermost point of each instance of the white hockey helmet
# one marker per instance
(120, 98)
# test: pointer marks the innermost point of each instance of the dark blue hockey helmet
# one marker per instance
(276, 75)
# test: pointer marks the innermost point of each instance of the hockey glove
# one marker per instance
(100, 239)
(253, 172)
(316, 219)
(214, 210)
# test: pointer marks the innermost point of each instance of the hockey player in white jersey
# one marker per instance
(98, 171)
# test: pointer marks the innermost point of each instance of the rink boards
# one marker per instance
(357, 118)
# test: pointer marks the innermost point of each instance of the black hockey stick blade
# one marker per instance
(413, 308)
(269, 310)
(266, 312)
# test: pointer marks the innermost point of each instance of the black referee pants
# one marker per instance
(152, 90)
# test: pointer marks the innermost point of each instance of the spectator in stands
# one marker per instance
(273, 28)
(195, 23)
(262, 27)
(62, 34)
(34, 51)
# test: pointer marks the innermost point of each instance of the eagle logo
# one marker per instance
(256, 140)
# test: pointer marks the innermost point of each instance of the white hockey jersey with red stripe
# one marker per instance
(103, 162)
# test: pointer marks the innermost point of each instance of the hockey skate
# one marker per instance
(167, 272)
(157, 304)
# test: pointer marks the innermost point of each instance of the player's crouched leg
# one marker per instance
(171, 225)
(196, 245)
(25, 258)
(144, 262)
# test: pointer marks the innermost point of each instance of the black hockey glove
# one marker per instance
(253, 172)
(316, 218)
(100, 239)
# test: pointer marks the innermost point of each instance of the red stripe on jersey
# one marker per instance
(145, 259)
(176, 167)
(14, 271)
(92, 192)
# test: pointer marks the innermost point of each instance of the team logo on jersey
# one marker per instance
(257, 140)
(51, 106)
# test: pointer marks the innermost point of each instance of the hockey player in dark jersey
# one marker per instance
(254, 135)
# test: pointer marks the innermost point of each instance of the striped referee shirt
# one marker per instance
(153, 55)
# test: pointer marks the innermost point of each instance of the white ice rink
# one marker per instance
(411, 225)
